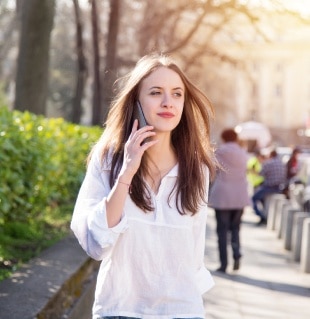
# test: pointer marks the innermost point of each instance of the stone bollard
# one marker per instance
(283, 205)
(296, 194)
(268, 200)
(305, 247)
(297, 234)
(272, 208)
(306, 198)
(288, 215)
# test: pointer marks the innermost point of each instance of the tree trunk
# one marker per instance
(18, 5)
(96, 111)
(82, 68)
(33, 58)
(110, 72)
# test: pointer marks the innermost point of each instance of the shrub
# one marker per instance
(42, 167)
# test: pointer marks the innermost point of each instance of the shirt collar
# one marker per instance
(174, 171)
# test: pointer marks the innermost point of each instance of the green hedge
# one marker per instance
(42, 166)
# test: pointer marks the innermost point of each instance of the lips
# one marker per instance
(166, 115)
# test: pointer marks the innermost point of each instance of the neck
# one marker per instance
(162, 148)
(162, 153)
(161, 159)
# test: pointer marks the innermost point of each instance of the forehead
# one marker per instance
(163, 77)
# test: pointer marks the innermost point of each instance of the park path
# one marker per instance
(269, 285)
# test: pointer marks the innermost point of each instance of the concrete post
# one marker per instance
(305, 247)
(288, 215)
(283, 204)
(268, 200)
(272, 208)
(297, 234)
(296, 194)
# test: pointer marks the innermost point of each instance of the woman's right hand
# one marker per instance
(134, 150)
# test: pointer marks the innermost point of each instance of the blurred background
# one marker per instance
(60, 58)
(59, 61)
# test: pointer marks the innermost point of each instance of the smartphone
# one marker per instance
(138, 114)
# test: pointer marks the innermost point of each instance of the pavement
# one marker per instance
(44, 288)
(268, 285)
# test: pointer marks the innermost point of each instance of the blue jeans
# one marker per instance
(228, 221)
(259, 197)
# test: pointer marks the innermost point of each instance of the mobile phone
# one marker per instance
(138, 114)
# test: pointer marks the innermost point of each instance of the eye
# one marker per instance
(155, 93)
(178, 94)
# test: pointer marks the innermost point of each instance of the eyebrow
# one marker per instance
(160, 88)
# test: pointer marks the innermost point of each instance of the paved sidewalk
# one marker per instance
(269, 285)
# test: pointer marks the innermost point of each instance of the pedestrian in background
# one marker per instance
(142, 207)
(293, 164)
(229, 196)
(274, 174)
(254, 167)
(292, 169)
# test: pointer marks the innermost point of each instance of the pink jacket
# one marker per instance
(230, 188)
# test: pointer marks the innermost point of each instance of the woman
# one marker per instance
(229, 195)
(142, 206)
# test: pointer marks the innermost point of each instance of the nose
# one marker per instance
(167, 101)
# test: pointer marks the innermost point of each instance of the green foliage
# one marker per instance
(42, 167)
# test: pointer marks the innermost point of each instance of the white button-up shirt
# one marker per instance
(152, 263)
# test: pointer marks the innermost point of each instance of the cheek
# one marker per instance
(179, 113)
(180, 109)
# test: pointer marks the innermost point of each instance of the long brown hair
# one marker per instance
(190, 138)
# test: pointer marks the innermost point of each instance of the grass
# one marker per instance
(21, 241)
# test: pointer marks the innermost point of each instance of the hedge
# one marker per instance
(42, 166)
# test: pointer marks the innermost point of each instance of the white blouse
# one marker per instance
(152, 263)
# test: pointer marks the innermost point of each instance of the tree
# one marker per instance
(82, 67)
(188, 28)
(8, 25)
(33, 58)
(9, 29)
(110, 72)
(96, 105)
(196, 32)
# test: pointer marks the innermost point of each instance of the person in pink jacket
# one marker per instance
(229, 196)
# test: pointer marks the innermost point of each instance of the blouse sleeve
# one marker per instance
(89, 220)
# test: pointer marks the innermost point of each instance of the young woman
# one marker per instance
(142, 207)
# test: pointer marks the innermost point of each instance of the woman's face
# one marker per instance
(162, 99)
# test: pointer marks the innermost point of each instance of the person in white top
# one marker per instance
(142, 206)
